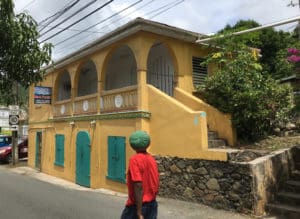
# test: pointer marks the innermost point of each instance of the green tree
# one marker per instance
(239, 87)
(271, 43)
(250, 39)
(21, 55)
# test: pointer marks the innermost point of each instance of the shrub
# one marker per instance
(239, 86)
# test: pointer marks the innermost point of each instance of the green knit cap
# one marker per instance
(139, 139)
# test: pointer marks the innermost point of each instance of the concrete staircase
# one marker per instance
(287, 199)
(214, 141)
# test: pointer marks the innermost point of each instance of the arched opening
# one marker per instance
(87, 80)
(63, 86)
(161, 68)
(121, 69)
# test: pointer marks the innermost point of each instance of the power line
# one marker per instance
(165, 7)
(115, 14)
(70, 46)
(77, 30)
(168, 8)
(76, 22)
(72, 15)
(157, 12)
(122, 18)
(57, 14)
(160, 8)
(27, 5)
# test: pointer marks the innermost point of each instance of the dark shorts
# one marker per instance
(149, 211)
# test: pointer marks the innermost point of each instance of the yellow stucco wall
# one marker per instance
(98, 135)
(175, 129)
(216, 120)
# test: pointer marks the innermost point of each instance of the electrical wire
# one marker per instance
(77, 30)
(58, 14)
(76, 22)
(168, 8)
(27, 5)
(158, 11)
(83, 41)
(165, 7)
(122, 18)
(72, 15)
(115, 14)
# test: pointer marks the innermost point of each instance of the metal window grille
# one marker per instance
(199, 71)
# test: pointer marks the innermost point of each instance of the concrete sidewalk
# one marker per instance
(167, 207)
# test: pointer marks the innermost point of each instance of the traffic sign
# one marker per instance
(14, 127)
(14, 110)
(13, 119)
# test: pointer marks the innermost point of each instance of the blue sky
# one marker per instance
(203, 16)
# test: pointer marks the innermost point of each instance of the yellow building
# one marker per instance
(139, 77)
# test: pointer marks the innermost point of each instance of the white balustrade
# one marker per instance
(85, 105)
(123, 99)
(62, 108)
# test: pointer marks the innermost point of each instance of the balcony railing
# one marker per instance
(117, 100)
(85, 105)
(62, 108)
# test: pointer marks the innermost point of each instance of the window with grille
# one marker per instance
(199, 71)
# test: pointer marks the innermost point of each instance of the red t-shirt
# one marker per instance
(142, 168)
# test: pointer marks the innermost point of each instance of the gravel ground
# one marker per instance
(273, 143)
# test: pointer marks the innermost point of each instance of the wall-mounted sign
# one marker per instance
(42, 95)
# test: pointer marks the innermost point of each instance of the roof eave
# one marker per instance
(122, 32)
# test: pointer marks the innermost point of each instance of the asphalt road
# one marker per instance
(29, 194)
(27, 198)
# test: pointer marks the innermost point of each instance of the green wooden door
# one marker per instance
(83, 159)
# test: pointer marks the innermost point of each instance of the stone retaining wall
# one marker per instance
(239, 186)
(219, 184)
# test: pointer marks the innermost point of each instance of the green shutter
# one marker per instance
(116, 158)
(59, 150)
(37, 150)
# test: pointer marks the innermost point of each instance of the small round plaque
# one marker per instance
(62, 109)
(118, 101)
(101, 103)
(85, 105)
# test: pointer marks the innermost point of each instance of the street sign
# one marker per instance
(14, 110)
(14, 127)
(13, 119)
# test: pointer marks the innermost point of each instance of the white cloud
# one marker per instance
(203, 16)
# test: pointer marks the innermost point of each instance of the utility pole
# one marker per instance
(292, 4)
(14, 125)
(14, 122)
